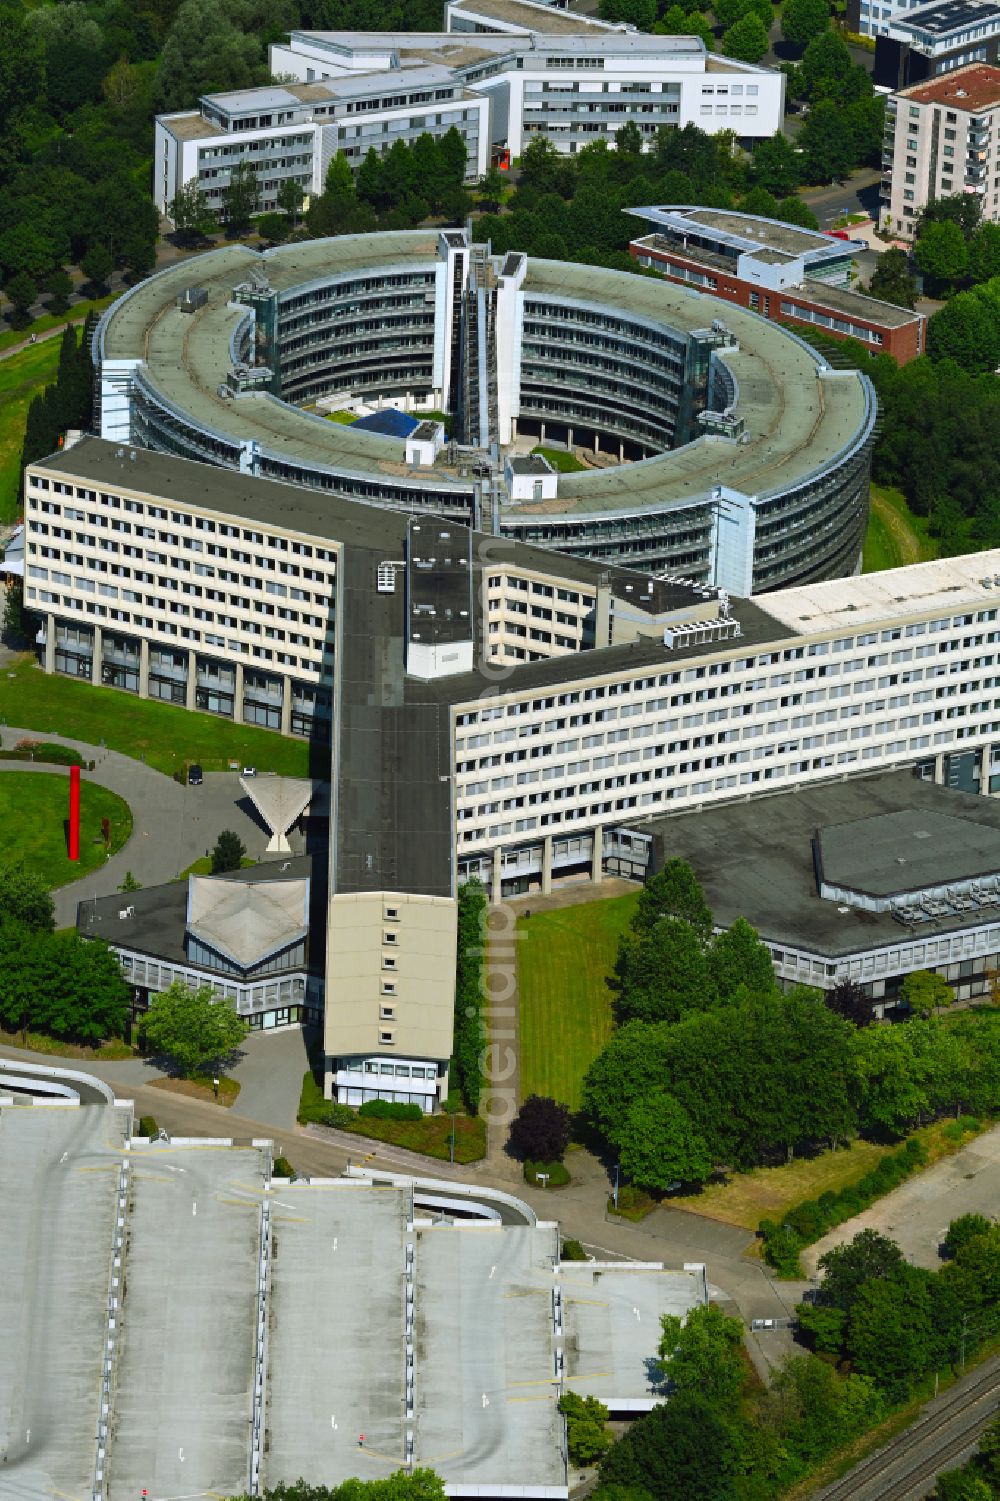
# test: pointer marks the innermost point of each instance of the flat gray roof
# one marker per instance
(845, 300)
(186, 1362)
(58, 1187)
(541, 18)
(612, 1321)
(894, 853)
(749, 232)
(800, 414)
(335, 1347)
(486, 1395)
(755, 859)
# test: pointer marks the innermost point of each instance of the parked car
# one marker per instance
(249, 771)
(195, 775)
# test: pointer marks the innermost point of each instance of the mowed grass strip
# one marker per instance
(895, 536)
(165, 735)
(34, 808)
(22, 377)
(769, 1192)
(563, 960)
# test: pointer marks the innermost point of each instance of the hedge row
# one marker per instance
(810, 1220)
(47, 752)
(389, 1110)
(470, 996)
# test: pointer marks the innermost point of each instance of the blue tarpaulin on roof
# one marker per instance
(392, 423)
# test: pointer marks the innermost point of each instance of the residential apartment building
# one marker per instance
(941, 138)
(521, 717)
(922, 43)
(294, 130)
(787, 274)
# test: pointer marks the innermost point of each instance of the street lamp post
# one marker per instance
(614, 1196)
(452, 1139)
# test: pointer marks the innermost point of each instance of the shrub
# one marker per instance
(147, 1126)
(41, 750)
(336, 1115)
(587, 1435)
(558, 1173)
(470, 1025)
(572, 1251)
(282, 1168)
(389, 1110)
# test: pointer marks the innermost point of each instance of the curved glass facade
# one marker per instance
(614, 362)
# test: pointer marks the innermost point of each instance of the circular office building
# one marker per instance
(416, 370)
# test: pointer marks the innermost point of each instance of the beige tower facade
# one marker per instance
(390, 995)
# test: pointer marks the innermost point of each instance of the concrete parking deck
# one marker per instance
(486, 1392)
(612, 1321)
(58, 1178)
(335, 1341)
(185, 1371)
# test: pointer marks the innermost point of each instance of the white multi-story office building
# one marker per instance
(501, 72)
(941, 138)
(497, 711)
(294, 130)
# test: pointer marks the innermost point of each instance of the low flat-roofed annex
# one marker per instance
(755, 858)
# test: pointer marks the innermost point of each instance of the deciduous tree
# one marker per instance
(661, 974)
(926, 992)
(747, 40)
(737, 957)
(658, 1146)
(190, 212)
(25, 899)
(891, 280)
(240, 198)
(801, 20)
(673, 892)
(587, 1434)
(540, 1131)
(941, 253)
(190, 1029)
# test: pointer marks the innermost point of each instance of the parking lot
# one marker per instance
(917, 1214)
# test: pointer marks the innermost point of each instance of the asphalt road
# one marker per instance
(857, 195)
(943, 1438)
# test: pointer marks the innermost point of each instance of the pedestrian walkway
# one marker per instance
(172, 825)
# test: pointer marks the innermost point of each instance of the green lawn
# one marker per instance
(895, 535)
(342, 416)
(164, 734)
(78, 313)
(566, 463)
(565, 1007)
(23, 376)
(430, 1135)
(203, 867)
(33, 809)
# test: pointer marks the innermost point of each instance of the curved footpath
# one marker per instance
(171, 825)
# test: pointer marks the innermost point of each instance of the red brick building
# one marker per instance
(787, 274)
